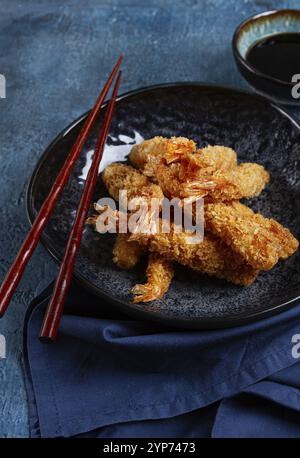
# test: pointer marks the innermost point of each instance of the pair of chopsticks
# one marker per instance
(55, 308)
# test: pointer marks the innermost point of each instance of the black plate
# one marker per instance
(257, 130)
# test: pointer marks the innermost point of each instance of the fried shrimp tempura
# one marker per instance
(159, 274)
(126, 254)
(216, 157)
(260, 241)
(287, 244)
(210, 256)
(149, 152)
(237, 244)
(118, 177)
(182, 171)
(243, 181)
(147, 155)
(207, 161)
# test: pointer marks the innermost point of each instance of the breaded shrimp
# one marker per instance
(287, 244)
(216, 157)
(151, 151)
(243, 181)
(206, 161)
(147, 155)
(251, 236)
(183, 171)
(126, 254)
(126, 176)
(118, 176)
(121, 176)
(140, 192)
(159, 274)
(211, 256)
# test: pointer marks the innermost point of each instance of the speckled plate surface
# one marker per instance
(257, 130)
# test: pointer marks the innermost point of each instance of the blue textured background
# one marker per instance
(54, 55)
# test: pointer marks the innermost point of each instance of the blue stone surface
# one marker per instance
(54, 57)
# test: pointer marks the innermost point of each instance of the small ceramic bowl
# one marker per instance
(249, 32)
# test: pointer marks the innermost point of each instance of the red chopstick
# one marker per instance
(55, 308)
(15, 272)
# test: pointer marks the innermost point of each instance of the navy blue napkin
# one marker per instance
(110, 376)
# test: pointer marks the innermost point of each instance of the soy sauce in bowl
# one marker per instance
(266, 48)
(277, 55)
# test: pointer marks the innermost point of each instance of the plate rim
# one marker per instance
(240, 319)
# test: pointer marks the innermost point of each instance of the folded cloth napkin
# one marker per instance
(111, 376)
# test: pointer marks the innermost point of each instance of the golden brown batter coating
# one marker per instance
(237, 242)
(211, 256)
(204, 163)
(256, 239)
(244, 181)
(126, 254)
(159, 274)
(287, 244)
(182, 171)
(118, 177)
(151, 151)
(127, 176)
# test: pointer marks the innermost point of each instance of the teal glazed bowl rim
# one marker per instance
(246, 26)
